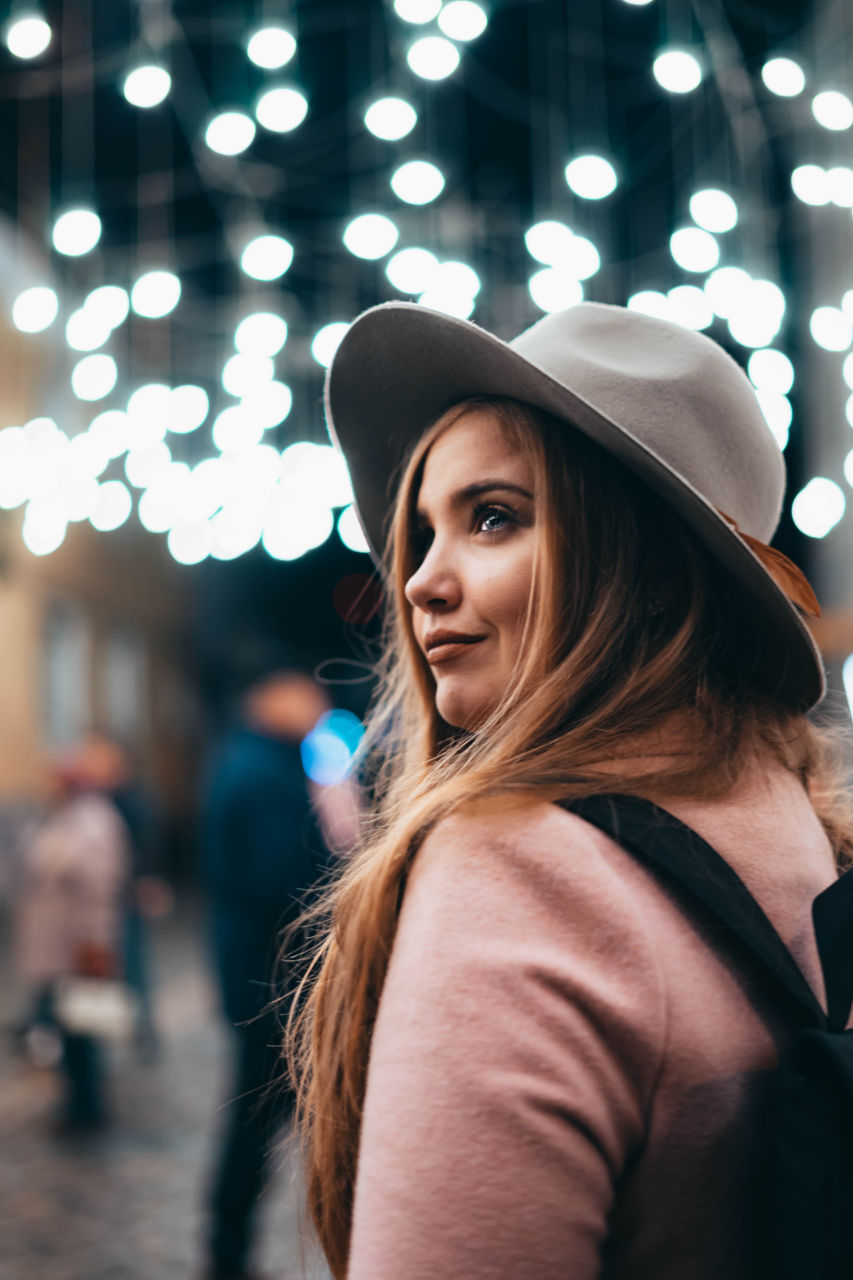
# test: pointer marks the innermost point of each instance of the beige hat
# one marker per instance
(668, 402)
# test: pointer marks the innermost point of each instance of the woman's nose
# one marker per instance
(435, 584)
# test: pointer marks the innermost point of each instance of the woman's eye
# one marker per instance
(492, 519)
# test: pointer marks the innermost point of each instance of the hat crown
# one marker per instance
(675, 391)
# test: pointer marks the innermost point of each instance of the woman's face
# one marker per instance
(475, 543)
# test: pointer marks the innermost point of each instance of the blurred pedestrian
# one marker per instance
(110, 767)
(69, 922)
(263, 854)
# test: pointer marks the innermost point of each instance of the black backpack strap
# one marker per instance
(660, 840)
(832, 912)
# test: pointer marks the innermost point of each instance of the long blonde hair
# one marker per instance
(629, 624)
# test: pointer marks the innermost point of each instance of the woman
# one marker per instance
(76, 877)
(523, 1054)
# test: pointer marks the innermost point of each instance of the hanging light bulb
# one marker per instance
(271, 47)
(35, 309)
(230, 133)
(677, 71)
(147, 86)
(281, 110)
(417, 182)
(433, 58)
(76, 232)
(267, 257)
(390, 118)
(28, 35)
(155, 294)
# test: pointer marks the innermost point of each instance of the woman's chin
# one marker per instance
(461, 710)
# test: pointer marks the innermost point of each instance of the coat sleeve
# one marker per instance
(517, 1045)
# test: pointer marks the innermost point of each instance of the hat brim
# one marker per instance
(400, 366)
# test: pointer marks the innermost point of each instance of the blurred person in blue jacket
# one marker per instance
(266, 835)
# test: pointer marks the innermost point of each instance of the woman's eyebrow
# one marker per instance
(476, 490)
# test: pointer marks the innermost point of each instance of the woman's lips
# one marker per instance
(450, 649)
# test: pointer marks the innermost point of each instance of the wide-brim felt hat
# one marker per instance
(668, 402)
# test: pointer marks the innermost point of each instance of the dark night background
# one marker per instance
(544, 81)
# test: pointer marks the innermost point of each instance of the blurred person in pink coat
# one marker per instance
(521, 1052)
(69, 920)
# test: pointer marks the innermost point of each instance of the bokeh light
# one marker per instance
(329, 749)
(417, 11)
(235, 430)
(417, 182)
(390, 118)
(108, 304)
(110, 431)
(463, 19)
(94, 377)
(271, 47)
(677, 71)
(784, 77)
(553, 289)
(230, 133)
(268, 403)
(45, 523)
(452, 289)
(818, 507)
(688, 306)
(76, 232)
(649, 302)
(147, 86)
(189, 408)
(262, 333)
(833, 110)
(771, 370)
(113, 506)
(350, 531)
(839, 185)
(756, 316)
(831, 328)
(155, 294)
(810, 183)
(149, 410)
(370, 235)
(190, 541)
(725, 287)
(143, 466)
(549, 241)
(27, 36)
(242, 373)
(86, 331)
(267, 257)
(713, 210)
(35, 309)
(433, 58)
(591, 177)
(281, 110)
(410, 270)
(694, 249)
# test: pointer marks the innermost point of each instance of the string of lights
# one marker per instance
(289, 499)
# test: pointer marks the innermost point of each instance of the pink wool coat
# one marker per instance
(566, 1066)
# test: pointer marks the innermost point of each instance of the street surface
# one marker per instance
(128, 1204)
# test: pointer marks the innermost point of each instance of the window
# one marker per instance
(66, 669)
(124, 682)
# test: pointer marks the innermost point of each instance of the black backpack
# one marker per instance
(804, 1211)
